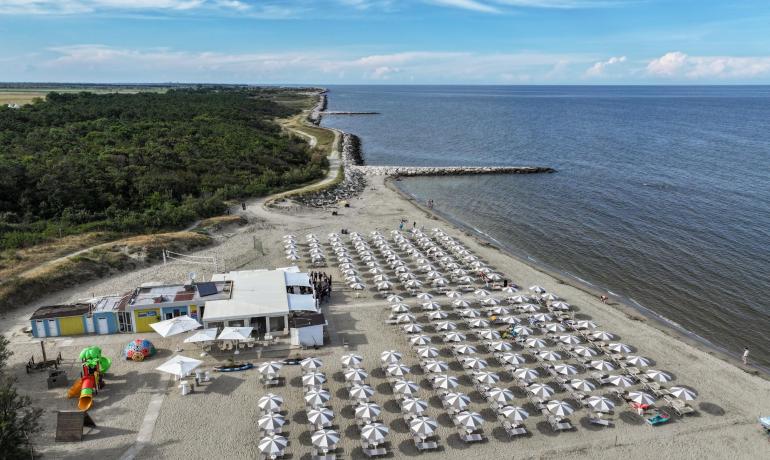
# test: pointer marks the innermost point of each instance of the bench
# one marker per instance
(512, 430)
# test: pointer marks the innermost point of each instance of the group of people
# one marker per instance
(322, 282)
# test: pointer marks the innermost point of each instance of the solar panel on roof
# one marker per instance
(208, 288)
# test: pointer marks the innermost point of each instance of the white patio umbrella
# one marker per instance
(420, 340)
(206, 335)
(510, 290)
(499, 345)
(512, 358)
(424, 296)
(436, 366)
(559, 305)
(412, 328)
(520, 299)
(320, 416)
(235, 333)
(474, 363)
(361, 392)
(486, 377)
(406, 318)
(428, 306)
(526, 374)
(272, 446)
(270, 402)
(555, 327)
(522, 330)
(325, 439)
(621, 381)
(311, 363)
(481, 293)
(460, 303)
(541, 317)
(313, 379)
(509, 319)
(499, 311)
(464, 349)
(357, 286)
(316, 398)
(500, 395)
(405, 387)
(470, 421)
(658, 376)
(640, 397)
(457, 401)
(490, 301)
(487, 334)
(549, 296)
(423, 427)
(270, 367)
(271, 421)
(351, 360)
(638, 361)
(470, 313)
(582, 385)
(540, 389)
(390, 356)
(619, 347)
(514, 414)
(600, 403)
(585, 324)
(374, 433)
(453, 294)
(528, 308)
(569, 339)
(565, 369)
(368, 411)
(537, 289)
(395, 298)
(399, 308)
(601, 365)
(454, 337)
(427, 352)
(602, 335)
(384, 286)
(584, 351)
(478, 323)
(179, 366)
(559, 408)
(685, 394)
(535, 343)
(397, 370)
(445, 382)
(413, 284)
(355, 375)
(445, 326)
(438, 315)
(175, 326)
(414, 406)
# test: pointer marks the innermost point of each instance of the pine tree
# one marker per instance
(18, 419)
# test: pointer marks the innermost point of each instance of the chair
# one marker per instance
(513, 430)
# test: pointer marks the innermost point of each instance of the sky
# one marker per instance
(386, 41)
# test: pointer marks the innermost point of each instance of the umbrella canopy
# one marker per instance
(374, 433)
(427, 352)
(423, 427)
(460, 303)
(685, 394)
(453, 294)
(406, 318)
(464, 349)
(474, 363)
(555, 327)
(478, 323)
(361, 392)
(529, 308)
(525, 374)
(481, 293)
(428, 306)
(412, 328)
(446, 326)
(271, 421)
(658, 376)
(487, 378)
(520, 299)
(355, 375)
(601, 335)
(584, 351)
(311, 363)
(272, 445)
(535, 343)
(601, 365)
(351, 360)
(395, 298)
(179, 365)
(510, 290)
(582, 385)
(436, 366)
(514, 414)
(500, 346)
(512, 358)
(619, 347)
(397, 370)
(522, 330)
(390, 356)
(548, 296)
(458, 401)
(414, 406)
(399, 308)
(490, 301)
(621, 381)
(541, 317)
(640, 397)
(470, 313)
(454, 337)
(438, 315)
(600, 403)
(488, 334)
(471, 421)
(325, 439)
(638, 361)
(368, 411)
(270, 367)
(420, 340)
(501, 311)
(585, 324)
(175, 326)
(424, 296)
(270, 402)
(537, 289)
(317, 398)
(569, 339)
(540, 389)
(405, 387)
(320, 416)
(235, 333)
(445, 382)
(559, 305)
(357, 286)
(559, 408)
(500, 395)
(206, 335)
(313, 379)
(565, 369)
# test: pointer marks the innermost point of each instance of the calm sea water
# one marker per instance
(662, 194)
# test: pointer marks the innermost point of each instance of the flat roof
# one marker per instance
(157, 295)
(60, 311)
(254, 293)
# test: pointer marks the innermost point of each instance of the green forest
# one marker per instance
(141, 162)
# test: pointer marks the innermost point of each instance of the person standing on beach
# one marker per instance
(746, 356)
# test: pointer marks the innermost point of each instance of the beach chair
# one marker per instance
(597, 419)
(469, 438)
(424, 444)
(680, 407)
(513, 430)
(321, 456)
(373, 451)
(658, 419)
(559, 424)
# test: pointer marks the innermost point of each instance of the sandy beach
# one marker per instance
(141, 414)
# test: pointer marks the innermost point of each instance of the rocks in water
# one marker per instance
(351, 148)
(316, 113)
(405, 171)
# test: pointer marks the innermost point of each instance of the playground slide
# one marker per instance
(86, 393)
(74, 390)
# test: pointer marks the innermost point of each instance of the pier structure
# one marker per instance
(409, 171)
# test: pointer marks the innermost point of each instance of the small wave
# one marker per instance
(612, 293)
(532, 258)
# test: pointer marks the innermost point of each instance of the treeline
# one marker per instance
(139, 162)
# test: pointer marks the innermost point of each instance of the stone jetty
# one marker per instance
(408, 171)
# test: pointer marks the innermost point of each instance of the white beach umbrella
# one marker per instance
(395, 298)
(515, 415)
(541, 317)
(206, 335)
(640, 397)
(602, 335)
(368, 411)
(522, 330)
(600, 403)
(351, 360)
(470, 421)
(470, 313)
(320, 416)
(427, 352)
(464, 349)
(271, 421)
(540, 389)
(499, 311)
(406, 318)
(569, 339)
(474, 363)
(431, 306)
(535, 343)
(313, 379)
(620, 381)
(537, 289)
(384, 286)
(509, 319)
(397, 370)
(460, 303)
(405, 387)
(374, 433)
(685, 394)
(270, 367)
(412, 328)
(658, 376)
(316, 398)
(293, 257)
(325, 439)
(481, 293)
(179, 366)
(465, 280)
(549, 296)
(559, 305)
(438, 315)
(510, 290)
(582, 385)
(454, 337)
(445, 382)
(424, 296)
(272, 446)
(520, 299)
(525, 374)
(486, 377)
(423, 427)
(559, 408)
(500, 395)
(361, 392)
(584, 351)
(413, 284)
(457, 401)
(453, 294)
(175, 326)
(565, 369)
(311, 363)
(399, 308)
(638, 361)
(554, 327)
(355, 375)
(512, 358)
(357, 286)
(420, 340)
(528, 308)
(446, 326)
(270, 402)
(390, 356)
(478, 323)
(601, 365)
(499, 345)
(414, 406)
(585, 324)
(436, 366)
(619, 347)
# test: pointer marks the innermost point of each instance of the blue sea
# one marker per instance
(662, 195)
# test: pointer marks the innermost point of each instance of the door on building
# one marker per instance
(104, 326)
(53, 328)
(169, 315)
(40, 328)
(90, 324)
(124, 322)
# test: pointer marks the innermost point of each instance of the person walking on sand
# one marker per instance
(746, 356)
(401, 225)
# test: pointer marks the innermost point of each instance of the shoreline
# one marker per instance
(657, 321)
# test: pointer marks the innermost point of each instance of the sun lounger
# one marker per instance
(680, 407)
(595, 420)
(512, 430)
(328, 456)
(422, 444)
(373, 451)
(470, 437)
(658, 419)
(559, 424)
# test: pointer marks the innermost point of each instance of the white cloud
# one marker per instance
(598, 69)
(472, 5)
(676, 64)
